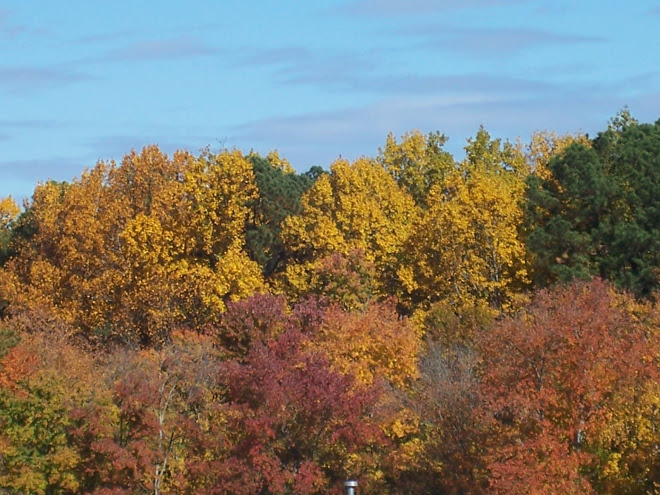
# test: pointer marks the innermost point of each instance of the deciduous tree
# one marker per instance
(299, 426)
(418, 162)
(467, 246)
(133, 250)
(356, 206)
(552, 378)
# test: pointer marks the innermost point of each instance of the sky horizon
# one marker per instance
(85, 81)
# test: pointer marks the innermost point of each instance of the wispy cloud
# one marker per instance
(358, 72)
(300, 65)
(115, 146)
(6, 27)
(638, 83)
(488, 41)
(131, 33)
(42, 169)
(28, 124)
(414, 84)
(372, 71)
(163, 49)
(415, 7)
(12, 128)
(19, 177)
(288, 55)
(105, 37)
(9, 29)
(25, 79)
(319, 137)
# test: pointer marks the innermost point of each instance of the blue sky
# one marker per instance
(82, 81)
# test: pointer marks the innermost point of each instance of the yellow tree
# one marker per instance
(357, 206)
(217, 268)
(467, 247)
(628, 442)
(137, 248)
(9, 211)
(417, 162)
(53, 267)
(371, 344)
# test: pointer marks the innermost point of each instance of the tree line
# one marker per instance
(219, 323)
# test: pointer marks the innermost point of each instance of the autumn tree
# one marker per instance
(149, 431)
(355, 206)
(467, 246)
(299, 426)
(552, 379)
(625, 449)
(42, 380)
(375, 345)
(371, 344)
(418, 162)
(132, 250)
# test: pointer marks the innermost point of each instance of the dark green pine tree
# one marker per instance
(598, 214)
(279, 196)
(568, 216)
(631, 154)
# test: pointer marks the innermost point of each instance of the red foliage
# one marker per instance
(19, 363)
(296, 420)
(256, 319)
(550, 380)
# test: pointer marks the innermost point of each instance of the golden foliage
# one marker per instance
(9, 210)
(467, 247)
(546, 144)
(417, 162)
(371, 344)
(138, 248)
(277, 162)
(357, 206)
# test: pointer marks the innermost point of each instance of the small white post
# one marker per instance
(350, 485)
